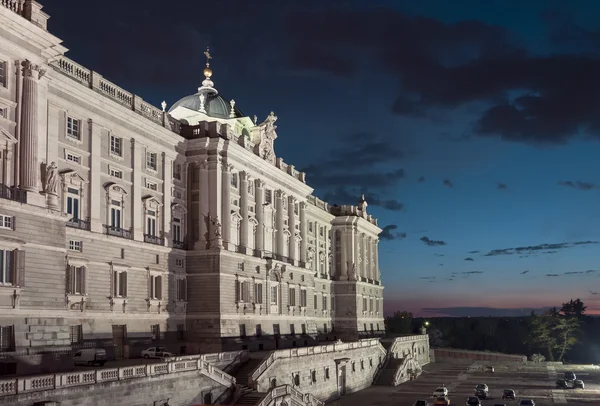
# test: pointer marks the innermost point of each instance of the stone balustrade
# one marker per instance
(296, 396)
(46, 382)
(315, 201)
(314, 350)
(18, 6)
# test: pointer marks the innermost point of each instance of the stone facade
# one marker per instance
(123, 225)
(417, 346)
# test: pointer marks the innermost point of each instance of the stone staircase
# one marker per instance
(389, 372)
(248, 396)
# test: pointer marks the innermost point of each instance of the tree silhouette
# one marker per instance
(573, 308)
(400, 323)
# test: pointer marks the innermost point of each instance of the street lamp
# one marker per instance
(424, 327)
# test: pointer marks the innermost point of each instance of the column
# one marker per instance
(29, 178)
(326, 250)
(344, 254)
(17, 153)
(226, 210)
(376, 275)
(369, 257)
(138, 153)
(244, 224)
(203, 189)
(215, 183)
(279, 221)
(364, 265)
(167, 185)
(96, 191)
(292, 226)
(304, 235)
(259, 196)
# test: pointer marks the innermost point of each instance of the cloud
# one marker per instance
(432, 243)
(427, 277)
(552, 274)
(389, 234)
(439, 255)
(469, 259)
(483, 311)
(448, 183)
(421, 179)
(524, 272)
(537, 248)
(467, 273)
(473, 252)
(343, 195)
(593, 293)
(578, 185)
(588, 272)
(502, 186)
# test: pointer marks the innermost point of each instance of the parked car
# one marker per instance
(508, 394)
(489, 368)
(441, 391)
(578, 384)
(473, 401)
(90, 356)
(481, 394)
(482, 386)
(570, 376)
(156, 352)
(442, 401)
(421, 403)
(526, 402)
(500, 404)
(562, 384)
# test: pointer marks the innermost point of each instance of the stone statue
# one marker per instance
(270, 126)
(311, 256)
(362, 204)
(52, 179)
(217, 225)
(352, 271)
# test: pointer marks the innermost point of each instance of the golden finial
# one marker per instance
(207, 70)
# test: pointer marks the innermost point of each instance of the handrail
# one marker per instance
(306, 351)
(409, 359)
(284, 390)
(382, 366)
(90, 377)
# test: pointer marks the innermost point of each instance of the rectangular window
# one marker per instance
(3, 74)
(116, 145)
(179, 262)
(321, 231)
(181, 289)
(242, 330)
(73, 128)
(303, 327)
(310, 227)
(292, 329)
(176, 171)
(7, 267)
(274, 294)
(258, 330)
(115, 214)
(258, 293)
(151, 185)
(181, 331)
(155, 287)
(176, 229)
(76, 334)
(371, 305)
(364, 304)
(276, 329)
(72, 158)
(6, 222)
(292, 297)
(315, 301)
(151, 160)
(115, 173)
(120, 284)
(303, 297)
(73, 203)
(7, 338)
(325, 328)
(268, 196)
(234, 180)
(151, 223)
(75, 245)
(76, 280)
(155, 330)
(324, 302)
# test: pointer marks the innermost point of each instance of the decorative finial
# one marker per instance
(255, 119)
(163, 105)
(362, 205)
(207, 83)
(202, 101)
(208, 56)
(232, 111)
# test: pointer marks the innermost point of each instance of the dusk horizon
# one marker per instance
(472, 131)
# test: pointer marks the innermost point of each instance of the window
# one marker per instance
(181, 289)
(155, 330)
(115, 214)
(6, 222)
(72, 158)
(273, 294)
(151, 223)
(73, 203)
(292, 329)
(303, 297)
(292, 297)
(296, 208)
(7, 267)
(76, 280)
(321, 231)
(3, 74)
(151, 160)
(7, 338)
(324, 302)
(315, 301)
(268, 196)
(364, 304)
(332, 303)
(151, 185)
(76, 334)
(116, 145)
(75, 245)
(327, 373)
(310, 227)
(177, 193)
(116, 173)
(179, 262)
(119, 283)
(325, 328)
(242, 291)
(242, 330)
(176, 171)
(276, 329)
(313, 376)
(371, 304)
(258, 293)
(303, 329)
(258, 330)
(176, 229)
(155, 288)
(73, 128)
(234, 180)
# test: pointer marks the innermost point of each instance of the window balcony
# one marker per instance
(181, 245)
(153, 239)
(79, 224)
(257, 253)
(117, 232)
(13, 193)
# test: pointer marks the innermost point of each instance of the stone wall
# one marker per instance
(317, 370)
(465, 356)
(415, 345)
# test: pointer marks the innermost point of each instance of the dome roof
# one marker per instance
(215, 105)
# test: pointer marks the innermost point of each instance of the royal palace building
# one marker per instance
(123, 225)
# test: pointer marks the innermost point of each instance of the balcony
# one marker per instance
(13, 193)
(152, 239)
(118, 232)
(78, 224)
(179, 245)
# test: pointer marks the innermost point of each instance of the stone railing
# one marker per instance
(18, 6)
(402, 373)
(305, 399)
(213, 357)
(49, 382)
(307, 351)
(382, 366)
(321, 204)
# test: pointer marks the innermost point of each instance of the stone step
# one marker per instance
(250, 398)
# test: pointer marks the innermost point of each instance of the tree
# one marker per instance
(573, 308)
(564, 329)
(541, 334)
(399, 323)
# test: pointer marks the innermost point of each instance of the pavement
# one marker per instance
(119, 363)
(529, 382)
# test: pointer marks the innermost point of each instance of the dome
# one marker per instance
(215, 105)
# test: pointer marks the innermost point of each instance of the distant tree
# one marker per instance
(436, 338)
(565, 328)
(573, 308)
(541, 334)
(399, 323)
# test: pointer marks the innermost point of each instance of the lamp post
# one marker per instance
(423, 328)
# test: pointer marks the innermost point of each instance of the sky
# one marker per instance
(471, 127)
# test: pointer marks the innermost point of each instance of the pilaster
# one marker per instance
(326, 250)
(344, 255)
(244, 224)
(259, 196)
(304, 235)
(96, 190)
(204, 204)
(215, 194)
(279, 221)
(293, 248)
(137, 221)
(167, 185)
(364, 264)
(226, 210)
(376, 274)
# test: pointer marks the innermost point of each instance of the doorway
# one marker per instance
(342, 380)
(119, 333)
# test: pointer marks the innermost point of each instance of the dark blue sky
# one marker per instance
(472, 127)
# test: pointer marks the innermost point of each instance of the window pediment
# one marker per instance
(114, 189)
(178, 208)
(235, 216)
(71, 177)
(151, 202)
(77, 261)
